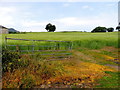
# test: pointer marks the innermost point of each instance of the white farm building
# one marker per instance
(3, 30)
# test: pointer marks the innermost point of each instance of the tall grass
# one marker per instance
(79, 39)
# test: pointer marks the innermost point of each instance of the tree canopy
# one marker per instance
(99, 29)
(110, 29)
(118, 28)
(50, 27)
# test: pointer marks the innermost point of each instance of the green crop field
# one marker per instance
(79, 39)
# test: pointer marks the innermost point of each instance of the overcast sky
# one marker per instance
(29, 15)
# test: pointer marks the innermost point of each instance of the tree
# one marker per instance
(110, 29)
(118, 28)
(99, 29)
(50, 27)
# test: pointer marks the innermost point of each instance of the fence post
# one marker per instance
(17, 48)
(5, 42)
(58, 46)
(55, 46)
(71, 45)
(33, 46)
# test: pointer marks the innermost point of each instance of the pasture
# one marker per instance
(94, 57)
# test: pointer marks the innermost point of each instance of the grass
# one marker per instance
(111, 81)
(97, 56)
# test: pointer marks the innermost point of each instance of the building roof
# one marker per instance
(3, 27)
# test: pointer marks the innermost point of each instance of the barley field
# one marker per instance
(79, 39)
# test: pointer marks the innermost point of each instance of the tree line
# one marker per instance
(103, 29)
(51, 28)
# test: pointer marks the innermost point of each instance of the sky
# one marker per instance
(66, 15)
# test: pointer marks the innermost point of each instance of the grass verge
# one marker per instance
(111, 81)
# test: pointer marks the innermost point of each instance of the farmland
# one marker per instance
(80, 39)
(94, 57)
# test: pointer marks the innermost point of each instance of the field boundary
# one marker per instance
(52, 49)
(36, 40)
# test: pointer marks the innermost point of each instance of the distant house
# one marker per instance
(3, 30)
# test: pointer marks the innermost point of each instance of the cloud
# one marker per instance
(92, 0)
(66, 5)
(87, 7)
(33, 23)
(6, 10)
(111, 5)
(87, 23)
(59, 0)
(6, 15)
(74, 21)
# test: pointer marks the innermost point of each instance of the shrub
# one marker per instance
(10, 60)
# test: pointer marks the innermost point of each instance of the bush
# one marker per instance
(10, 60)
(13, 60)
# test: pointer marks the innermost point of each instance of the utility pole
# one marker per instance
(118, 27)
(119, 13)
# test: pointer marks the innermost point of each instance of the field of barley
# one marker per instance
(79, 39)
(93, 63)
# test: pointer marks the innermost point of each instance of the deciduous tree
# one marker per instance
(50, 27)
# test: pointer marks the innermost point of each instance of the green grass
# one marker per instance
(79, 39)
(96, 57)
(111, 81)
